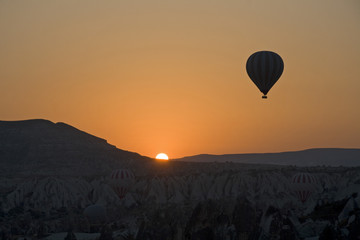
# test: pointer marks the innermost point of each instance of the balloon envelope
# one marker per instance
(121, 180)
(96, 214)
(264, 68)
(303, 185)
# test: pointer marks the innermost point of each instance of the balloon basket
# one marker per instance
(264, 97)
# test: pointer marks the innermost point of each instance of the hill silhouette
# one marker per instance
(311, 157)
(41, 147)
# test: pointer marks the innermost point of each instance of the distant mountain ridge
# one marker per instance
(41, 147)
(310, 157)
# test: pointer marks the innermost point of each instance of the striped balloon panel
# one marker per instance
(303, 178)
(303, 195)
(122, 174)
(121, 180)
(264, 68)
(121, 191)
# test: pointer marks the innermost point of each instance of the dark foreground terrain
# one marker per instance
(56, 182)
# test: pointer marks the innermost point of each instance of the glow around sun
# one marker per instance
(162, 156)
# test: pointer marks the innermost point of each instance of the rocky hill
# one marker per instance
(41, 147)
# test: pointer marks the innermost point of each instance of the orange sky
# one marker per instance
(169, 76)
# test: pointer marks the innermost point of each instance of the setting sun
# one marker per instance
(162, 156)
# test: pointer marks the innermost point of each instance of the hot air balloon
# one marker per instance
(121, 180)
(264, 68)
(303, 185)
(96, 214)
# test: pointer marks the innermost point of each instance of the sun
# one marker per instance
(162, 156)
